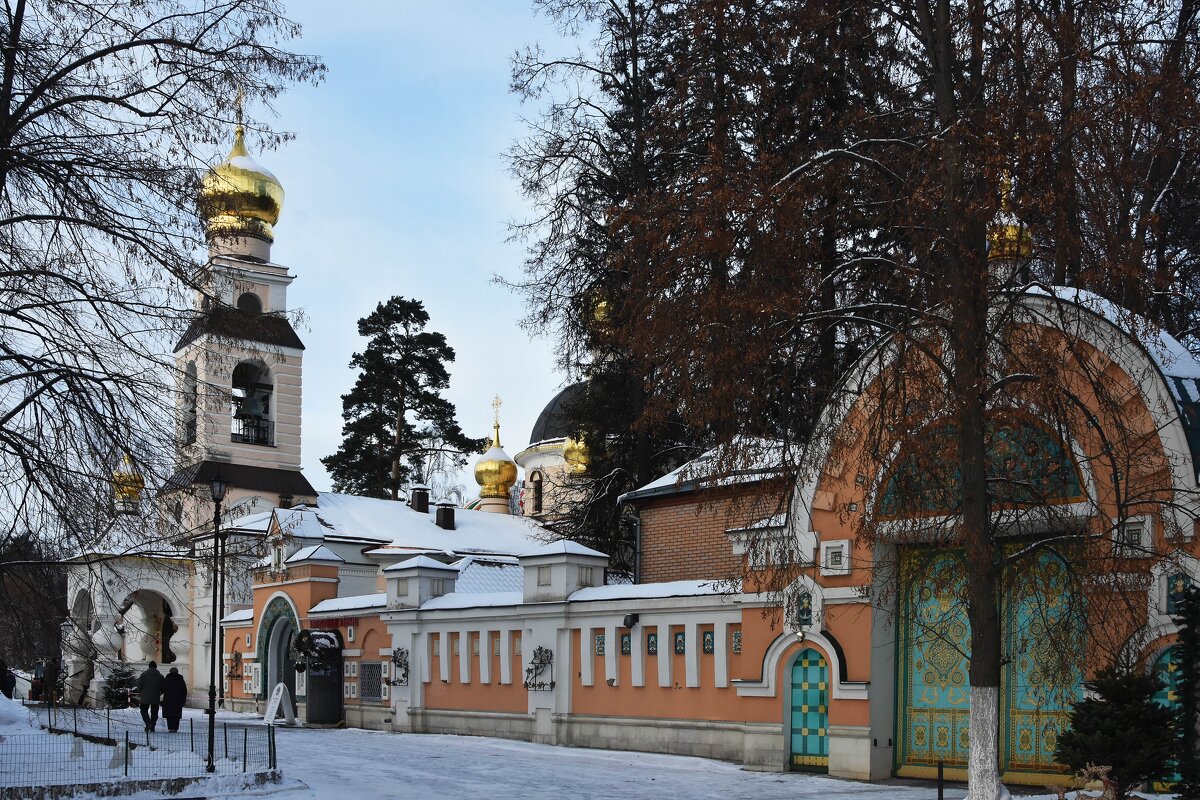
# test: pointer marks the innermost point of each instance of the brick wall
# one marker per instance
(683, 537)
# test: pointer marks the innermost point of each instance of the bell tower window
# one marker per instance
(536, 481)
(190, 401)
(250, 303)
(251, 405)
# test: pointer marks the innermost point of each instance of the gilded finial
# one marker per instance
(496, 403)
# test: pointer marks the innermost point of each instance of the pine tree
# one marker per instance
(395, 419)
(121, 681)
(1123, 727)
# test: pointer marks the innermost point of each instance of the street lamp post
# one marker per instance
(217, 489)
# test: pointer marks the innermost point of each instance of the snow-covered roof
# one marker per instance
(245, 615)
(773, 521)
(398, 527)
(423, 562)
(354, 603)
(473, 600)
(635, 591)
(258, 522)
(488, 574)
(749, 460)
(303, 522)
(562, 547)
(316, 552)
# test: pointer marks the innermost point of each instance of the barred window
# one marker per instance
(370, 681)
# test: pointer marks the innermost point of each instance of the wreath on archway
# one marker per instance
(314, 648)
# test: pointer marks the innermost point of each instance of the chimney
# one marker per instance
(445, 515)
(419, 498)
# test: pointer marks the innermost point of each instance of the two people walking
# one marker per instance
(169, 691)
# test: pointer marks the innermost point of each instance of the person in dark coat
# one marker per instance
(174, 695)
(150, 687)
(52, 669)
(8, 681)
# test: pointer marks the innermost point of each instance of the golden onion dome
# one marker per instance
(1007, 237)
(495, 472)
(575, 453)
(128, 484)
(239, 197)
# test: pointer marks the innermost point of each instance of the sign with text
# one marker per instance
(280, 700)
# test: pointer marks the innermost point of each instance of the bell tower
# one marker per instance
(240, 360)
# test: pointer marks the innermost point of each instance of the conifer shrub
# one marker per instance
(121, 682)
(1187, 720)
(1121, 726)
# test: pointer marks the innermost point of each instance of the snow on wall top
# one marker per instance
(562, 547)
(396, 525)
(473, 600)
(245, 615)
(424, 562)
(635, 591)
(360, 601)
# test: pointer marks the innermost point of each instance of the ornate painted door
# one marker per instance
(1038, 681)
(810, 711)
(933, 691)
(1044, 637)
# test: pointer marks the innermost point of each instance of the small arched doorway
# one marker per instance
(808, 712)
(280, 668)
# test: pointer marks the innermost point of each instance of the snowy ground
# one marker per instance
(328, 764)
(335, 764)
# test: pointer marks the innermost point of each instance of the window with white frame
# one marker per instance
(543, 576)
(349, 633)
(437, 587)
(1131, 538)
(586, 576)
(835, 558)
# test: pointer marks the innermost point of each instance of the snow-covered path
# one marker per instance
(345, 764)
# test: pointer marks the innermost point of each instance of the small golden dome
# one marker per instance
(1007, 237)
(575, 453)
(239, 197)
(495, 472)
(128, 485)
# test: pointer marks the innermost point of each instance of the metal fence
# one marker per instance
(87, 746)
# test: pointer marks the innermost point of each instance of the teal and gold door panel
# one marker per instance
(1044, 640)
(809, 712)
(1166, 667)
(934, 694)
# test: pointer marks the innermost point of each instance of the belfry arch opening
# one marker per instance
(251, 404)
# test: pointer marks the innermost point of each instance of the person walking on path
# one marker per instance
(150, 688)
(174, 695)
(8, 681)
(52, 670)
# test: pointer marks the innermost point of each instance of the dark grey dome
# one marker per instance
(552, 423)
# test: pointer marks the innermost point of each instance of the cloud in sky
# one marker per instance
(395, 184)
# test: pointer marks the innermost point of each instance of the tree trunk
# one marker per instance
(396, 453)
(982, 562)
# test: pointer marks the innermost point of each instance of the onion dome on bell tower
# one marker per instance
(1008, 238)
(495, 472)
(128, 484)
(240, 200)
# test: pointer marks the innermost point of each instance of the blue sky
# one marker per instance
(396, 184)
